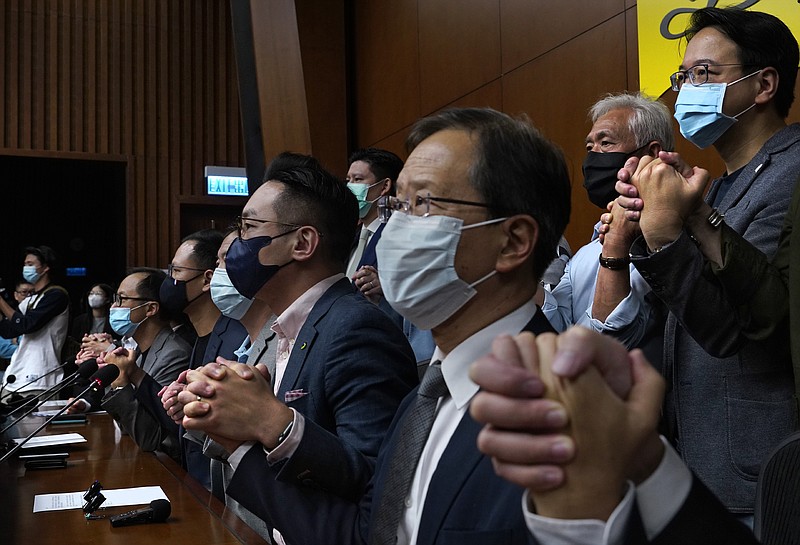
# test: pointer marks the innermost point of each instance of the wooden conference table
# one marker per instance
(197, 517)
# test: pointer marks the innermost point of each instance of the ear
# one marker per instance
(521, 234)
(653, 149)
(207, 279)
(768, 80)
(306, 243)
(152, 308)
(386, 187)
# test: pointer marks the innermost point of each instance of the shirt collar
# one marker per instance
(290, 321)
(373, 225)
(455, 365)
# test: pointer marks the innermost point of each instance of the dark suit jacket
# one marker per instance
(466, 502)
(369, 257)
(132, 407)
(702, 520)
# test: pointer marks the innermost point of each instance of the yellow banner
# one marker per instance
(662, 24)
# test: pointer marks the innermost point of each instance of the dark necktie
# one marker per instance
(414, 431)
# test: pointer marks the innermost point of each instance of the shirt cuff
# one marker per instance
(580, 532)
(289, 445)
(662, 495)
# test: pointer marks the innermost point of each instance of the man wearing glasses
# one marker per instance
(729, 392)
(316, 419)
(151, 352)
(480, 206)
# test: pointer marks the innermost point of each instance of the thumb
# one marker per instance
(647, 392)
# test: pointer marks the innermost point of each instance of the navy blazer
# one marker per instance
(466, 502)
(369, 257)
(353, 367)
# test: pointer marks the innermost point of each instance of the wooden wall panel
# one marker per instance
(559, 106)
(459, 48)
(151, 82)
(534, 27)
(386, 65)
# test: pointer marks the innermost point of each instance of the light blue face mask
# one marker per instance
(230, 302)
(120, 320)
(360, 191)
(699, 112)
(29, 274)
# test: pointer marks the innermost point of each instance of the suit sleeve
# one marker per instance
(682, 278)
(702, 520)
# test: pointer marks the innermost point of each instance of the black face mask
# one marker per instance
(172, 294)
(600, 174)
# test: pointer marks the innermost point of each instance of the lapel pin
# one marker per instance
(303, 346)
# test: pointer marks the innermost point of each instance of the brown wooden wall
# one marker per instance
(549, 59)
(149, 82)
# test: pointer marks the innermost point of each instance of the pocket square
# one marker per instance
(291, 395)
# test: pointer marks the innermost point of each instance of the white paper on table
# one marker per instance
(140, 495)
(52, 440)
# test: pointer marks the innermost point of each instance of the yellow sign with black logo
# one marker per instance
(661, 28)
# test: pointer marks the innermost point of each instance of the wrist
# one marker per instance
(275, 428)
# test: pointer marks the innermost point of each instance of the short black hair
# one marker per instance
(383, 163)
(761, 40)
(289, 159)
(206, 246)
(44, 254)
(313, 196)
(516, 170)
(150, 284)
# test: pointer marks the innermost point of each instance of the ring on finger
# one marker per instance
(199, 399)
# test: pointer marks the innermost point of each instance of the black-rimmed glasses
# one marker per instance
(119, 299)
(697, 75)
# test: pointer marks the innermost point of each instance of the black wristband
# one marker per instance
(615, 263)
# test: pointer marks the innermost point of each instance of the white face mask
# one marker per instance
(416, 266)
(96, 301)
(230, 302)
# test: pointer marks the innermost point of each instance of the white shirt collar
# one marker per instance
(455, 365)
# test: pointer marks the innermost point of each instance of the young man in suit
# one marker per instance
(724, 384)
(342, 367)
(482, 202)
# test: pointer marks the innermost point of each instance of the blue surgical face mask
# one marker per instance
(360, 191)
(29, 274)
(699, 112)
(246, 272)
(230, 302)
(120, 320)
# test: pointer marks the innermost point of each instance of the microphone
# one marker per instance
(157, 511)
(86, 368)
(50, 372)
(99, 380)
(10, 379)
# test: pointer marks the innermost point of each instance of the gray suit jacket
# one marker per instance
(167, 357)
(730, 398)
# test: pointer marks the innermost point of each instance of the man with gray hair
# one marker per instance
(624, 125)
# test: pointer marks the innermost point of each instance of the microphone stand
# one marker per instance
(96, 383)
(53, 391)
(12, 392)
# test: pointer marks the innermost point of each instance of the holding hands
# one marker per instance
(611, 399)
(232, 402)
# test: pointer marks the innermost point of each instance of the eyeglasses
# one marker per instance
(178, 268)
(389, 204)
(697, 75)
(26, 293)
(242, 224)
(119, 299)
